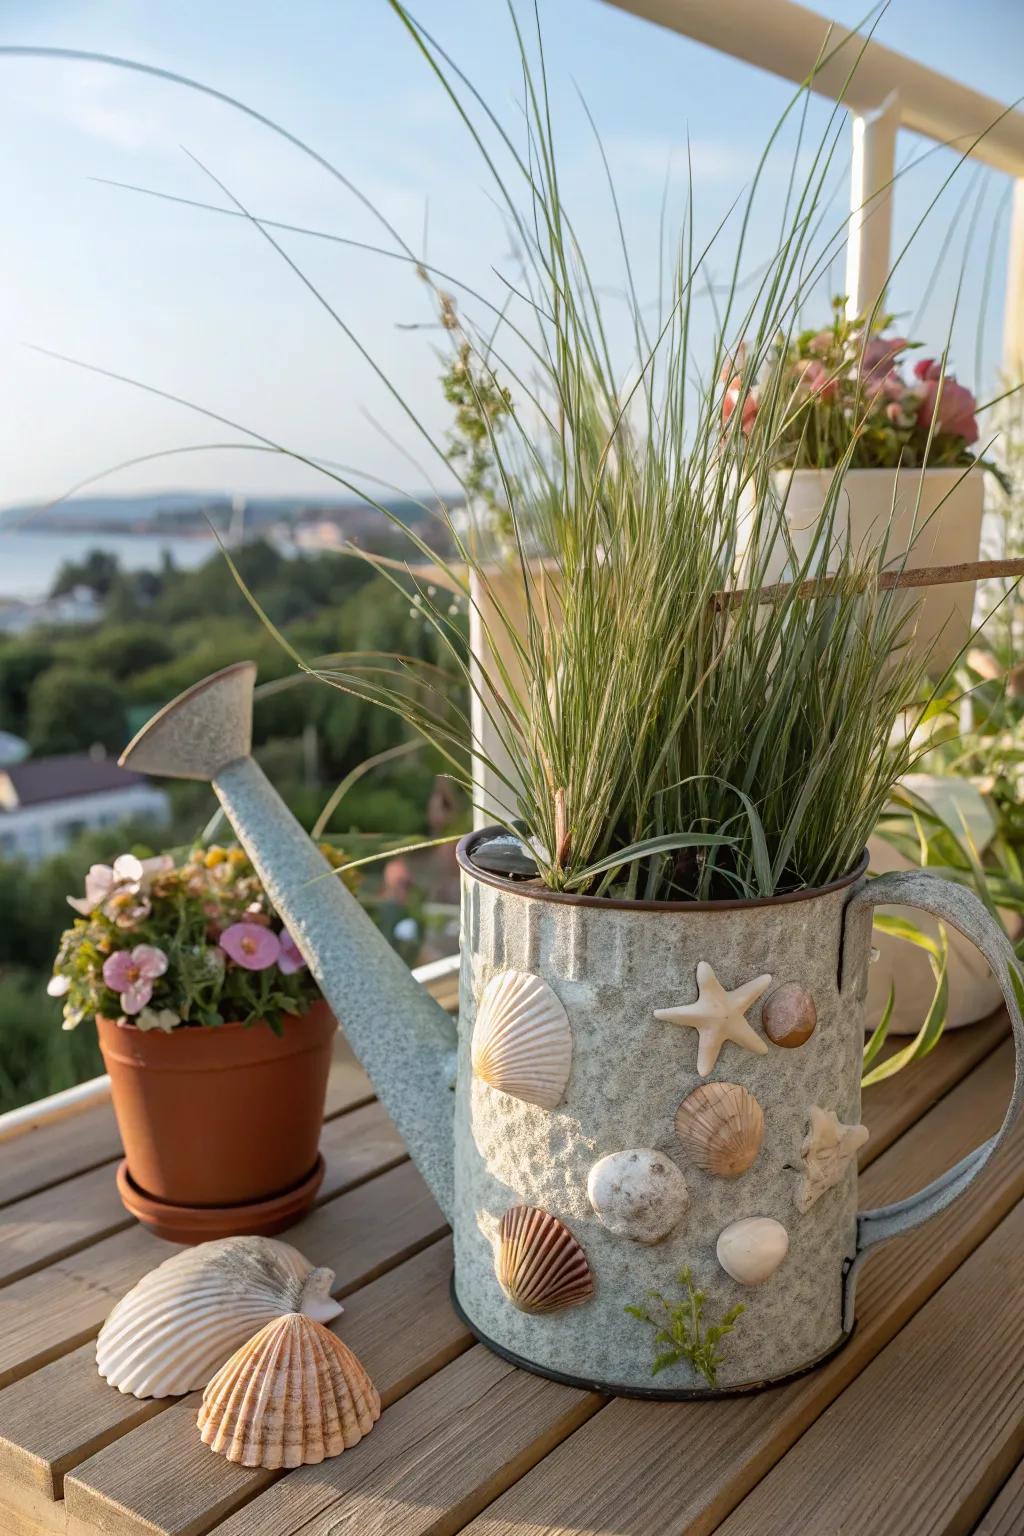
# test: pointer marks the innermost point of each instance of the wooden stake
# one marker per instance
(925, 576)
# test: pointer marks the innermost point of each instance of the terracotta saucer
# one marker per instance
(198, 1223)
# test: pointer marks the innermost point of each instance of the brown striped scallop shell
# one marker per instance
(721, 1125)
(540, 1265)
(293, 1395)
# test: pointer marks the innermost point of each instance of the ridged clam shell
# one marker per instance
(182, 1321)
(540, 1265)
(291, 1396)
(522, 1042)
(721, 1125)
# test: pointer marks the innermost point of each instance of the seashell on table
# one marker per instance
(181, 1321)
(291, 1396)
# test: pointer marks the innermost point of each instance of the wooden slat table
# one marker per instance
(916, 1428)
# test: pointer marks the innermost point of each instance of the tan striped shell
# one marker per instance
(522, 1042)
(721, 1125)
(181, 1321)
(540, 1265)
(293, 1395)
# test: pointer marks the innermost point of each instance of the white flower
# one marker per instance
(59, 986)
(157, 1018)
(72, 1017)
(127, 874)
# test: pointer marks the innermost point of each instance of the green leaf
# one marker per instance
(881, 1029)
(650, 845)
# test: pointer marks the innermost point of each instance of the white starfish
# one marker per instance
(827, 1150)
(717, 1016)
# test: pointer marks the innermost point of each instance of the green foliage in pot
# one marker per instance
(671, 734)
(163, 944)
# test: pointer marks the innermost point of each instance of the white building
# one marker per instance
(45, 802)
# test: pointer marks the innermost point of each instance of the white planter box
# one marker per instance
(943, 507)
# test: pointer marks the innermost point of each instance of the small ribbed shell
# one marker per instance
(182, 1321)
(522, 1042)
(721, 1125)
(540, 1265)
(291, 1396)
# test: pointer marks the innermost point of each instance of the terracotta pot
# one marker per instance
(219, 1117)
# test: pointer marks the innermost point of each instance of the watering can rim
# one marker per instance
(535, 892)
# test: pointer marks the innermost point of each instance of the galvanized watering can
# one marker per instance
(648, 1113)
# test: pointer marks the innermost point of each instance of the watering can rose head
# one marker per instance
(160, 944)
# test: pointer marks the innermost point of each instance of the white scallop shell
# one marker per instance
(751, 1250)
(638, 1194)
(290, 1397)
(522, 1042)
(186, 1317)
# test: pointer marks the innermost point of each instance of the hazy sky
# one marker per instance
(199, 305)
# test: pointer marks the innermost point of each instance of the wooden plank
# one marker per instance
(623, 1471)
(38, 1447)
(936, 1420)
(1005, 1515)
(48, 1154)
(432, 1462)
(360, 1236)
(68, 1217)
(48, 1313)
(895, 1103)
(162, 1477)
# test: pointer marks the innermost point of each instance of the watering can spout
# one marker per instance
(403, 1039)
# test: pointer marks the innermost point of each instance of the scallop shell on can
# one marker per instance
(540, 1265)
(290, 1397)
(522, 1042)
(181, 1322)
(721, 1125)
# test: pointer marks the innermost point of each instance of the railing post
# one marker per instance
(1013, 314)
(872, 170)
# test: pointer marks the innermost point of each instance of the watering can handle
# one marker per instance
(962, 910)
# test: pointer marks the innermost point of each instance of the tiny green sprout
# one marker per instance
(682, 1331)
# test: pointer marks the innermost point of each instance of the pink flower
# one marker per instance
(880, 353)
(132, 972)
(814, 378)
(822, 344)
(127, 874)
(250, 946)
(955, 404)
(290, 959)
(927, 368)
(732, 399)
(897, 415)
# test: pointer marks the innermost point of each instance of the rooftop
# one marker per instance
(38, 780)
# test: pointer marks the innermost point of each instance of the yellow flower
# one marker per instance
(238, 857)
(214, 856)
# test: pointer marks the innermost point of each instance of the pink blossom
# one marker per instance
(897, 415)
(127, 874)
(822, 344)
(956, 406)
(732, 399)
(814, 378)
(132, 972)
(290, 959)
(927, 368)
(250, 946)
(880, 353)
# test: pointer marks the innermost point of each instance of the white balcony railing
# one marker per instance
(888, 91)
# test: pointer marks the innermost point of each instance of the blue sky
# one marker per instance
(199, 305)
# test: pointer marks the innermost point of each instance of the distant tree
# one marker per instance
(98, 571)
(125, 650)
(70, 710)
(21, 662)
